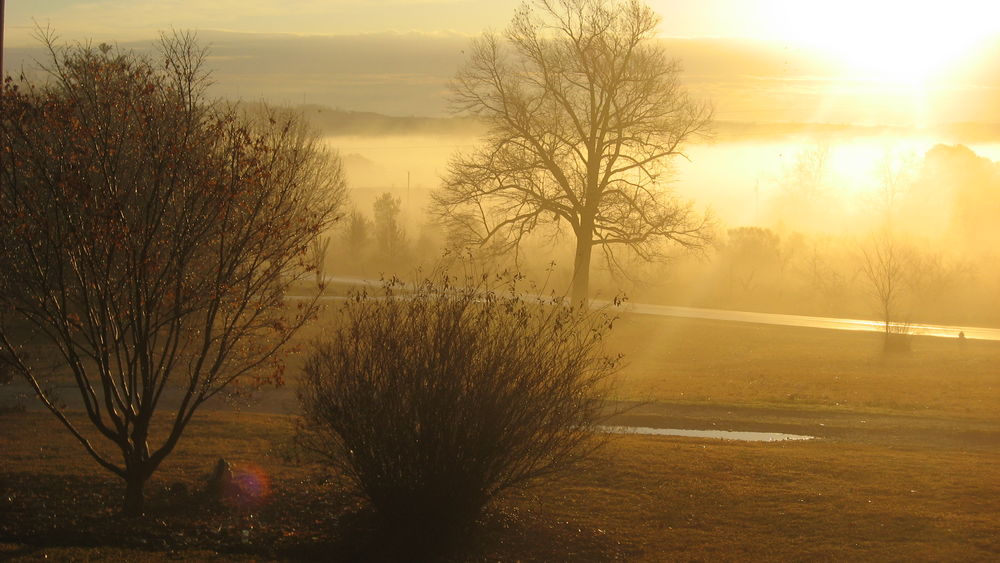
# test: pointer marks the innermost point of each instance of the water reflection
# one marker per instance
(717, 434)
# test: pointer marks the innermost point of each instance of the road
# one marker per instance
(943, 331)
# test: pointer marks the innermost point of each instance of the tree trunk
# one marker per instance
(135, 481)
(581, 268)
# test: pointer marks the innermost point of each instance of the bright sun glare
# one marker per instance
(900, 41)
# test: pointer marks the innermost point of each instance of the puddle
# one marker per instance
(718, 434)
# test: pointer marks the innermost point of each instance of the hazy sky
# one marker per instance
(812, 20)
(862, 61)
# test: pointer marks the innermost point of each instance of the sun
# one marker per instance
(897, 41)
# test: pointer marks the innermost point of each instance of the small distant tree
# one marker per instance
(585, 111)
(319, 248)
(390, 239)
(357, 232)
(805, 199)
(886, 266)
(896, 176)
(354, 242)
(433, 399)
(748, 251)
(149, 237)
(827, 273)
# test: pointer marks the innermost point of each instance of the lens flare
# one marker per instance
(251, 486)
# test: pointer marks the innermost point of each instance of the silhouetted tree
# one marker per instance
(357, 232)
(149, 238)
(355, 249)
(824, 275)
(584, 109)
(319, 248)
(749, 251)
(389, 236)
(896, 175)
(804, 199)
(886, 266)
(432, 399)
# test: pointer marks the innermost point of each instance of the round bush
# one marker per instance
(434, 398)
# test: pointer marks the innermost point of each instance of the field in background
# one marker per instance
(717, 362)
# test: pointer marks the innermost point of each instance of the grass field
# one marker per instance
(701, 361)
(907, 467)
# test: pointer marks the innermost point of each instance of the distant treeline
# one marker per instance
(335, 121)
(332, 121)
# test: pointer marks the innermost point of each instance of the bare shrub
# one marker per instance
(434, 399)
(898, 339)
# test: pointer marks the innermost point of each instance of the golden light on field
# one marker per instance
(896, 41)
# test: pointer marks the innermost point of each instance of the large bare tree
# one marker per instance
(584, 111)
(149, 239)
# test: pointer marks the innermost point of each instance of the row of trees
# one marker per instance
(380, 241)
(881, 274)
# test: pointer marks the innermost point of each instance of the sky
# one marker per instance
(807, 20)
(137, 19)
(859, 61)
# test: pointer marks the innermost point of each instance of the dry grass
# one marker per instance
(647, 498)
(844, 498)
(677, 499)
(715, 362)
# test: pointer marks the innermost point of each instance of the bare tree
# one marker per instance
(319, 249)
(149, 238)
(584, 110)
(805, 196)
(885, 265)
(895, 173)
(748, 252)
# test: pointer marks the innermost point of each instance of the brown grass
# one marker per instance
(844, 498)
(677, 499)
(715, 362)
(647, 498)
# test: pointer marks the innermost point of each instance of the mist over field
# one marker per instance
(817, 193)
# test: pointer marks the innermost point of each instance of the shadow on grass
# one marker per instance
(304, 520)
